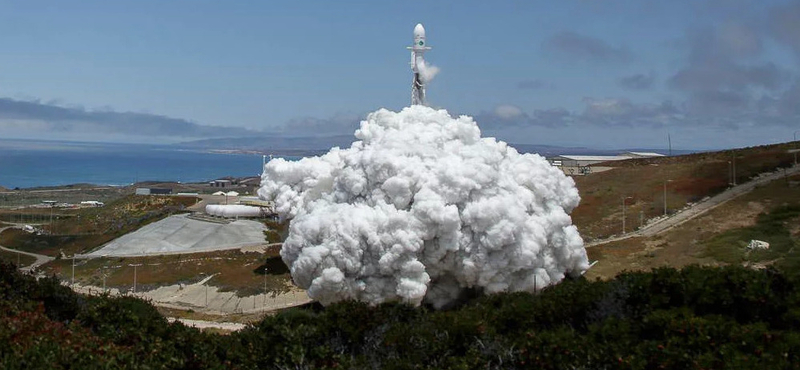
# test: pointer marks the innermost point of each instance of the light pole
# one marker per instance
(665, 196)
(104, 278)
(730, 174)
(134, 275)
(206, 284)
(623, 213)
(265, 286)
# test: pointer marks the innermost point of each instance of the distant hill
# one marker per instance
(646, 183)
(315, 145)
(552, 150)
(309, 145)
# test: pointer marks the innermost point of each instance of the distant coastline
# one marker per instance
(31, 164)
(26, 163)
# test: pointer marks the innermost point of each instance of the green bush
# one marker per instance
(698, 317)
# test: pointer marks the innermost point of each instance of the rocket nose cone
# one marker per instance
(419, 31)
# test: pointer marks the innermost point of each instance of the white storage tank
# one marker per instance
(233, 210)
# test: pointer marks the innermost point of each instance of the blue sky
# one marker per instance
(604, 74)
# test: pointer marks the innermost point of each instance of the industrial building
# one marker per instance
(221, 183)
(153, 191)
(584, 160)
(581, 164)
(643, 154)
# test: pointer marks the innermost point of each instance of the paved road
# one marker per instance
(700, 208)
(202, 324)
(40, 258)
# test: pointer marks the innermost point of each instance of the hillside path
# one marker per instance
(40, 258)
(700, 208)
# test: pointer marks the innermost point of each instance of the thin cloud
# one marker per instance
(784, 24)
(536, 84)
(586, 48)
(337, 124)
(35, 116)
(639, 81)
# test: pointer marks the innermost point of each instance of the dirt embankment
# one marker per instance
(719, 236)
(646, 185)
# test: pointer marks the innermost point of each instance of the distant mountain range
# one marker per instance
(315, 145)
(278, 145)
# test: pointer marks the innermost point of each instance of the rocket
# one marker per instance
(418, 65)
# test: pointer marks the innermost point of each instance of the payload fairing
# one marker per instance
(418, 65)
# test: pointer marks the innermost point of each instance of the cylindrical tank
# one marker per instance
(232, 211)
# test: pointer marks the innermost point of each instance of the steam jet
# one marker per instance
(418, 65)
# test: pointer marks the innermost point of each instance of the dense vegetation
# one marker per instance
(702, 318)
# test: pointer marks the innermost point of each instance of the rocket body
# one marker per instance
(418, 65)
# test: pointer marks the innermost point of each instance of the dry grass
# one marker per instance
(694, 177)
(233, 270)
(18, 259)
(82, 230)
(689, 243)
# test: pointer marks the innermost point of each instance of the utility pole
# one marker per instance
(623, 213)
(265, 287)
(134, 275)
(730, 174)
(669, 139)
(665, 196)
(733, 163)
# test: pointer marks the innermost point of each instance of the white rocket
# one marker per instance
(418, 65)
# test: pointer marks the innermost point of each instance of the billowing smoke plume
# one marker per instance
(427, 71)
(422, 208)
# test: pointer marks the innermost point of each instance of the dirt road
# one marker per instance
(40, 258)
(700, 208)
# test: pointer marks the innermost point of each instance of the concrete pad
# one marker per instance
(179, 234)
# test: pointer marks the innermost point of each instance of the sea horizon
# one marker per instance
(43, 163)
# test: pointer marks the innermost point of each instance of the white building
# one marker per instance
(585, 160)
(643, 154)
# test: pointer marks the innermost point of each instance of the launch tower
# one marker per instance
(418, 66)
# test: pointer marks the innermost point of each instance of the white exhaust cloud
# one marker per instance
(421, 209)
(427, 71)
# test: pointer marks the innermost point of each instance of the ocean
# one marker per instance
(26, 163)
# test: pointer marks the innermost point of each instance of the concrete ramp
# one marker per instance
(181, 234)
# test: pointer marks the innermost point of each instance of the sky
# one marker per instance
(711, 74)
